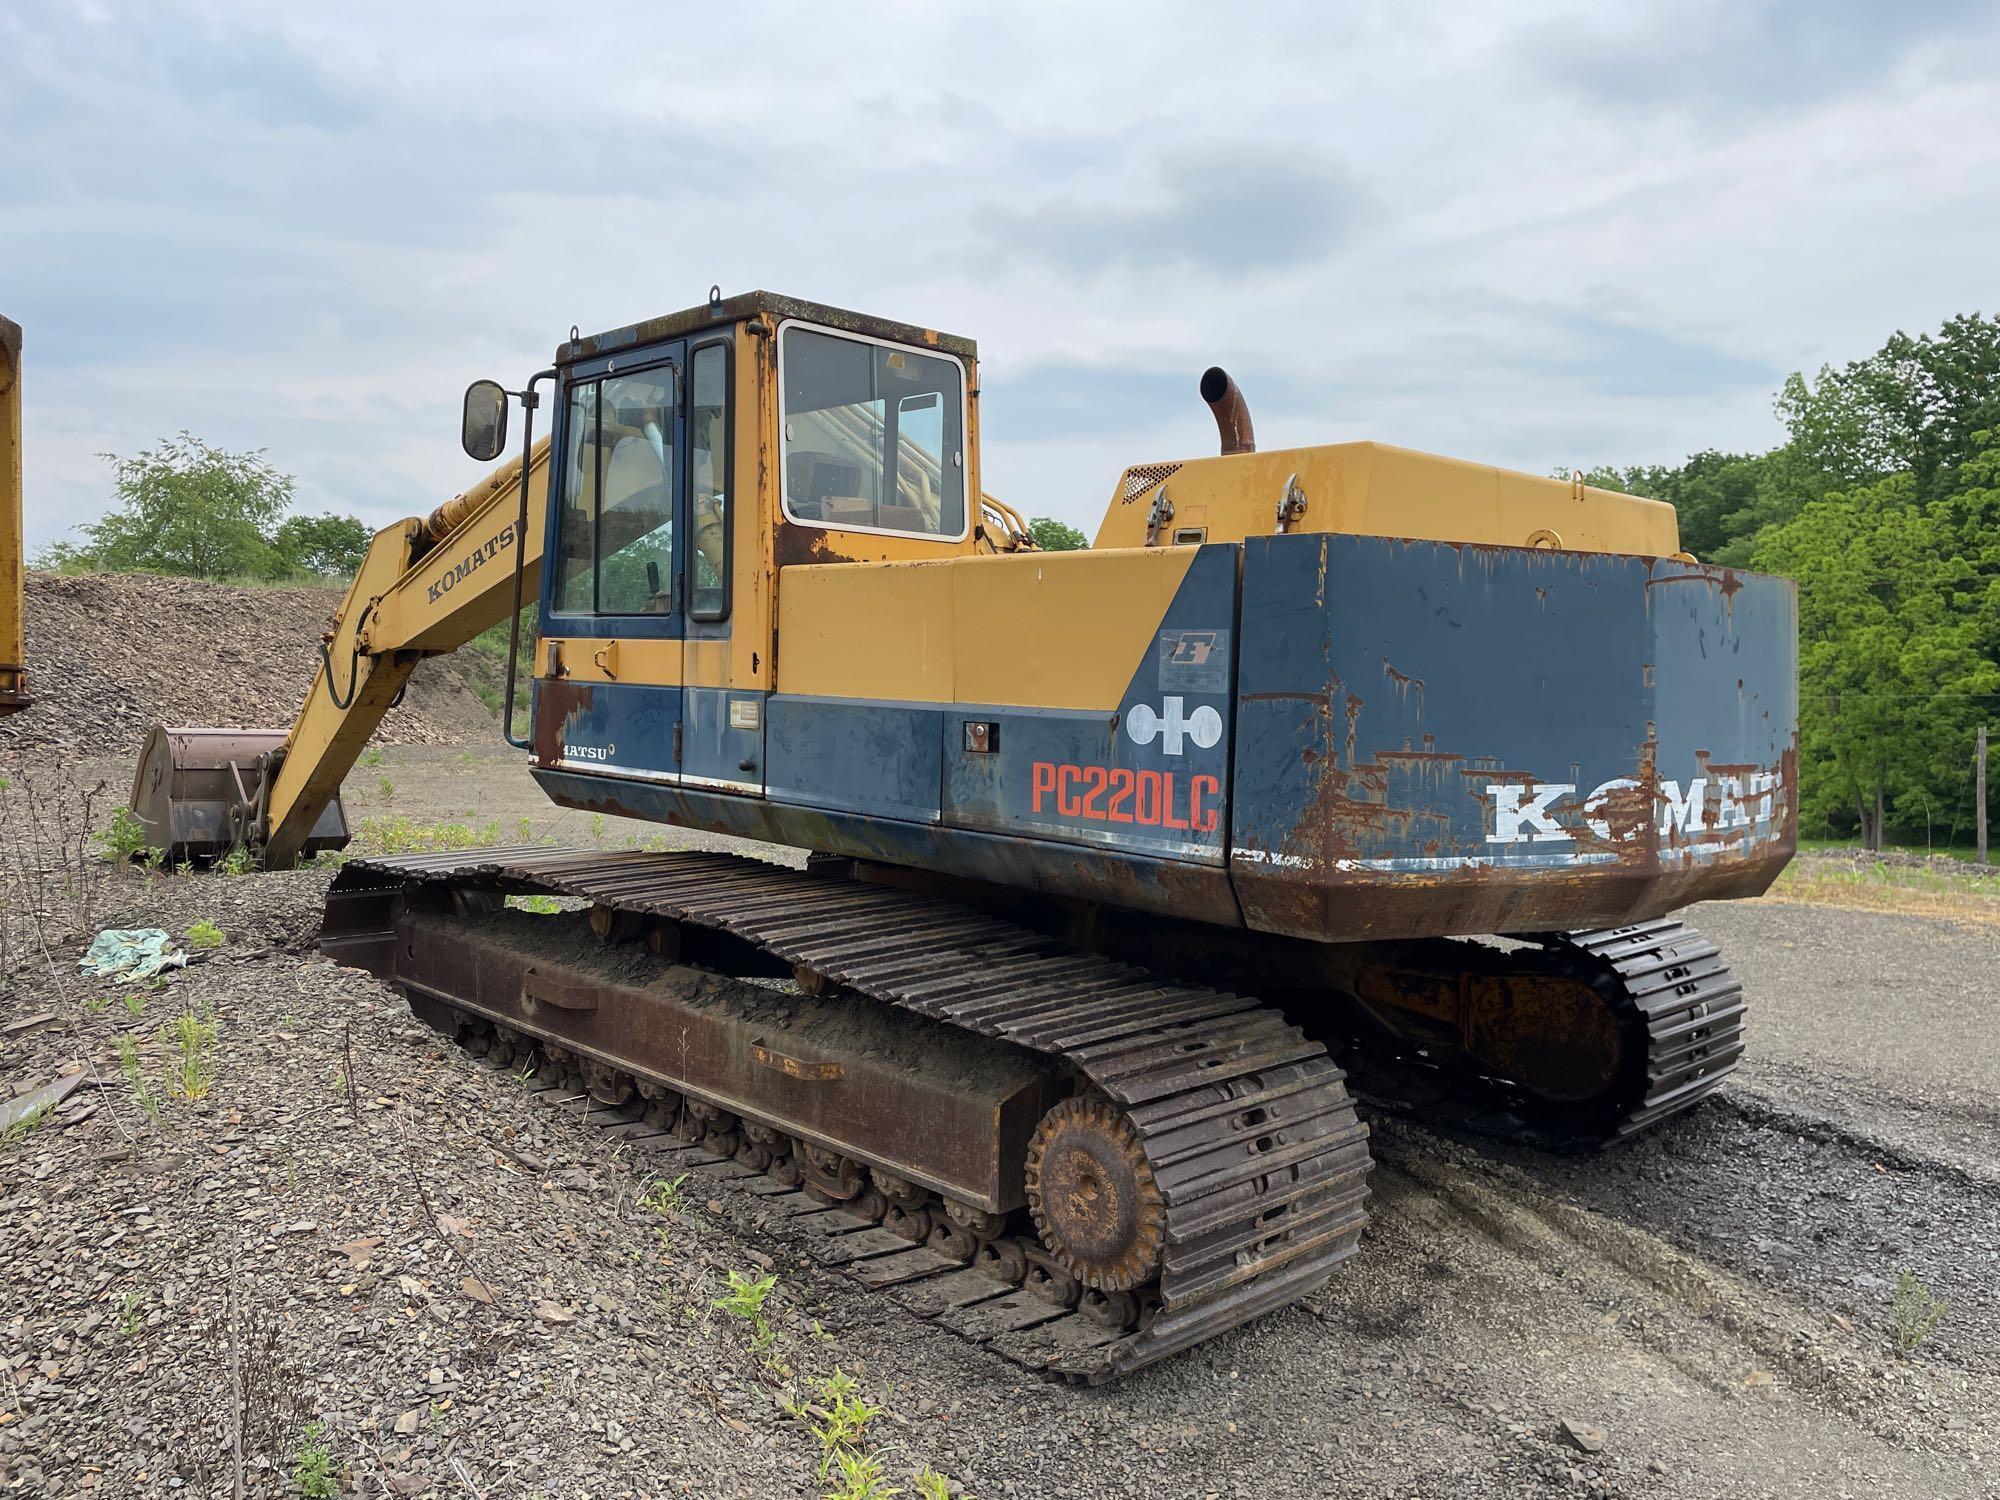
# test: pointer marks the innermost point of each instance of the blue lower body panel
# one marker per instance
(1453, 739)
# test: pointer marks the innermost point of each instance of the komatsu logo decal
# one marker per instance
(1173, 725)
(474, 560)
(1533, 813)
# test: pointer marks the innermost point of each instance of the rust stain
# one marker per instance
(792, 544)
(557, 701)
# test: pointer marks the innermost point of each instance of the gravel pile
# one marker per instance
(110, 655)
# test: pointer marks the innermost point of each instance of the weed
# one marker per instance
(402, 835)
(663, 1195)
(26, 1125)
(204, 935)
(135, 1003)
(237, 861)
(387, 788)
(525, 830)
(134, 1073)
(53, 863)
(98, 1003)
(542, 906)
(312, 1465)
(126, 837)
(844, 1416)
(745, 1299)
(1917, 1313)
(597, 828)
(372, 757)
(131, 1315)
(860, 1477)
(192, 1071)
(933, 1485)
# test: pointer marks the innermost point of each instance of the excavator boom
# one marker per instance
(426, 587)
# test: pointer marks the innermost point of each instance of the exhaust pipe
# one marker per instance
(1232, 412)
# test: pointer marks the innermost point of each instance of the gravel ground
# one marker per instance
(1715, 1299)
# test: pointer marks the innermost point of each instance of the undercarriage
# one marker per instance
(1087, 1165)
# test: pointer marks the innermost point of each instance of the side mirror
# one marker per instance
(483, 432)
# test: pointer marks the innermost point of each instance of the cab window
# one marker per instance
(708, 463)
(874, 435)
(616, 544)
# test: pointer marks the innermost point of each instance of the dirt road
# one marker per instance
(472, 1292)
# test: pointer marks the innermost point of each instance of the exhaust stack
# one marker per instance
(1232, 412)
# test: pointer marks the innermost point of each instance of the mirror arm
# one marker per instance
(529, 401)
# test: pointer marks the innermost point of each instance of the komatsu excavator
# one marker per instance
(1111, 853)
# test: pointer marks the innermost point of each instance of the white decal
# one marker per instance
(1530, 814)
(1678, 814)
(1510, 817)
(1172, 725)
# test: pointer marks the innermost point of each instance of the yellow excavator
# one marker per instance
(1110, 854)
(13, 578)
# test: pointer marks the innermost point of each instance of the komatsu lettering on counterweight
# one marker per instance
(1535, 813)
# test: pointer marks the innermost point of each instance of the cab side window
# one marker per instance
(708, 451)
(616, 549)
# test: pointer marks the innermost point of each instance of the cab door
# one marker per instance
(614, 584)
(722, 708)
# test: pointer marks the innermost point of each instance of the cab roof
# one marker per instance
(772, 308)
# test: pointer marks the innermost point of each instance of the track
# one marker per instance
(1673, 997)
(1244, 1123)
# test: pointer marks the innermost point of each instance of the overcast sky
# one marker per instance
(1562, 234)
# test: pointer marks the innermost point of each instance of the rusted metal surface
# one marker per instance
(770, 307)
(1231, 411)
(1558, 740)
(1665, 1032)
(851, 1077)
(1093, 1196)
(1246, 1128)
(197, 792)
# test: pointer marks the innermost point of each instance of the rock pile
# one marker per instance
(111, 654)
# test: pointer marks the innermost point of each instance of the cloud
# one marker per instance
(1223, 211)
(1729, 58)
(1527, 235)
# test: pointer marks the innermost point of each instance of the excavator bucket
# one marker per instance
(197, 792)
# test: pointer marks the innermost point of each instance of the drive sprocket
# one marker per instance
(1094, 1197)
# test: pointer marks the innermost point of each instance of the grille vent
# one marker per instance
(1142, 477)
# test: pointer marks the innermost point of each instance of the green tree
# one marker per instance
(1899, 619)
(188, 507)
(326, 544)
(1052, 535)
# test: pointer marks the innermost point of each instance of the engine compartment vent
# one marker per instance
(1142, 477)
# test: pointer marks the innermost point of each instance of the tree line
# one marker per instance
(1883, 502)
(189, 508)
